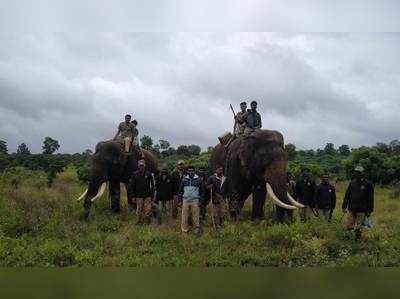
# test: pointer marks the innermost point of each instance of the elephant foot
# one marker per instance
(116, 210)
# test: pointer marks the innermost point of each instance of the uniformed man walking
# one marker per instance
(358, 202)
(325, 198)
(126, 132)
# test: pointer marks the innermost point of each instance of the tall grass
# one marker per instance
(42, 227)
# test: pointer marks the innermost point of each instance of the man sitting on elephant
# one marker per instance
(126, 132)
(252, 119)
(240, 120)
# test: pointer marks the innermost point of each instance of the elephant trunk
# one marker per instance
(294, 202)
(275, 177)
(99, 193)
(276, 200)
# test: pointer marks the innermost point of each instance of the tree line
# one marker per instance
(381, 161)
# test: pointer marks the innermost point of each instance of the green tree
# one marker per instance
(194, 150)
(164, 144)
(344, 150)
(3, 147)
(4, 162)
(146, 142)
(87, 153)
(50, 145)
(382, 147)
(23, 149)
(329, 149)
(372, 160)
(395, 147)
(183, 150)
(290, 149)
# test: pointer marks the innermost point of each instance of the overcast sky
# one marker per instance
(314, 88)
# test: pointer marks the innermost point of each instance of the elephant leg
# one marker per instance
(234, 209)
(93, 188)
(259, 193)
(115, 195)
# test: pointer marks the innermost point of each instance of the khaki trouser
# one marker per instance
(305, 213)
(174, 205)
(190, 209)
(144, 209)
(219, 209)
(354, 220)
(127, 143)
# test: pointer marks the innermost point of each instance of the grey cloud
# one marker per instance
(207, 15)
(315, 88)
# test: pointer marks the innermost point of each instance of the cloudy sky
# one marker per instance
(313, 87)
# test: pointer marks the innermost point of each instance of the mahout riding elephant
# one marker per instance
(110, 163)
(256, 164)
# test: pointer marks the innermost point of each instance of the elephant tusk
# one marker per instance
(101, 191)
(276, 200)
(83, 195)
(294, 202)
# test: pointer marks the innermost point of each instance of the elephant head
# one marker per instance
(111, 164)
(262, 157)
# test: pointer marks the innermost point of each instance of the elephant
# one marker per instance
(257, 164)
(110, 163)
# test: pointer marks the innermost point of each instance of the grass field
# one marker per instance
(41, 227)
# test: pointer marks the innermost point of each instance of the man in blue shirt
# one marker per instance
(192, 192)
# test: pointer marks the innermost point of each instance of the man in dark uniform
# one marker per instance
(177, 176)
(165, 189)
(304, 192)
(214, 188)
(358, 201)
(253, 120)
(142, 186)
(202, 173)
(325, 198)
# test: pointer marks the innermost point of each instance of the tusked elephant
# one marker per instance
(111, 164)
(257, 160)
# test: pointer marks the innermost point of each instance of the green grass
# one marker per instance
(41, 227)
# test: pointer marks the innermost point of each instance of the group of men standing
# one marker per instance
(152, 194)
(320, 200)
